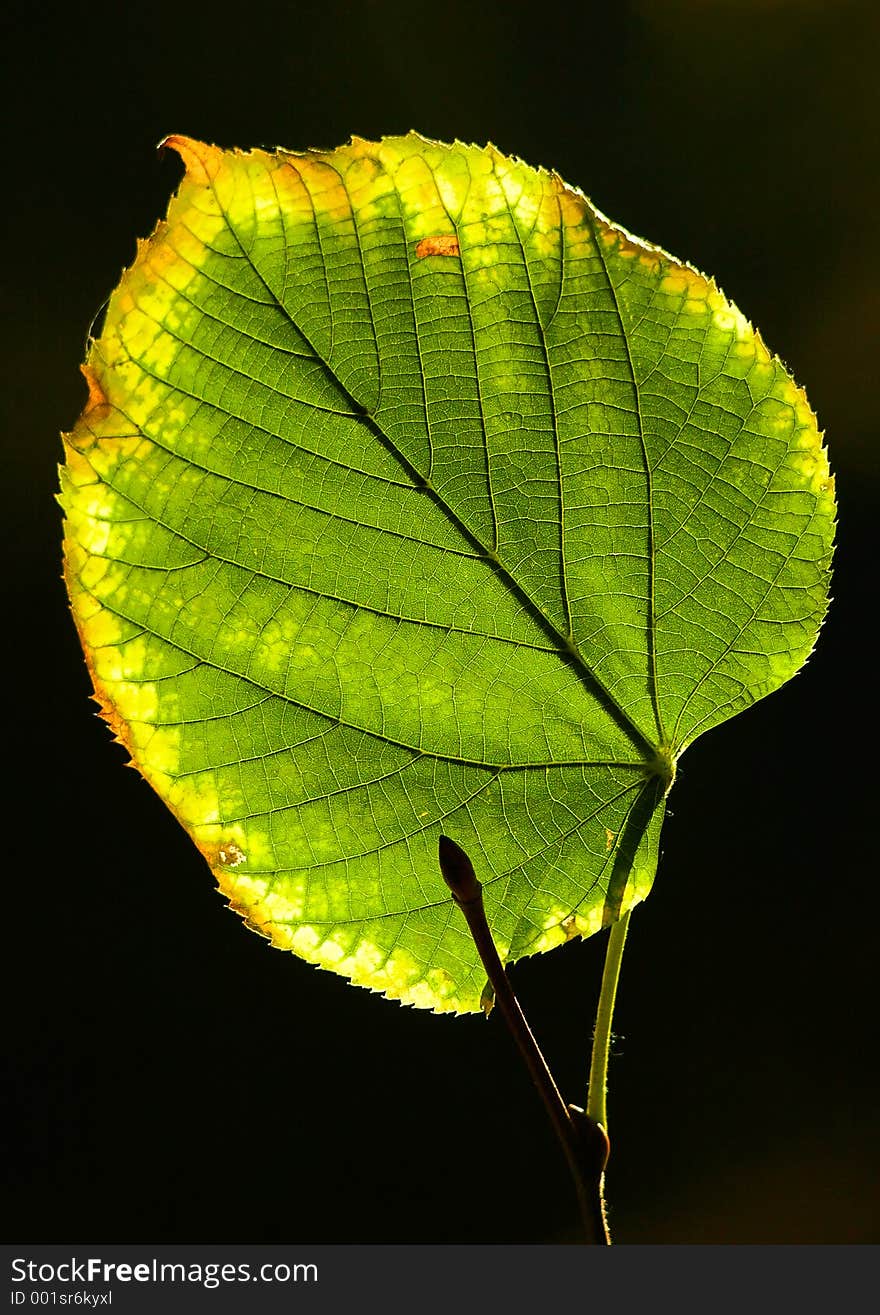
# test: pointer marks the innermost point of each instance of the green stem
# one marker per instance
(604, 1014)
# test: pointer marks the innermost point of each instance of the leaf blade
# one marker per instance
(363, 544)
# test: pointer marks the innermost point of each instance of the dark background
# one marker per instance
(172, 1078)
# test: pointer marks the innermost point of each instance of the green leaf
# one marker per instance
(414, 496)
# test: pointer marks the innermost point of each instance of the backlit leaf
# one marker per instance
(414, 496)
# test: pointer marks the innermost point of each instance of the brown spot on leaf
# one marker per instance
(230, 855)
(444, 244)
(609, 839)
(97, 396)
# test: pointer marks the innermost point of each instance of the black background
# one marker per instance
(173, 1078)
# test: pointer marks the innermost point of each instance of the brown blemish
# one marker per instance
(444, 244)
(97, 396)
(568, 927)
(230, 855)
(609, 839)
(201, 161)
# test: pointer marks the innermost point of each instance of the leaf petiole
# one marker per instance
(598, 1082)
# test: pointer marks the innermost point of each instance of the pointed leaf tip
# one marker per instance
(200, 160)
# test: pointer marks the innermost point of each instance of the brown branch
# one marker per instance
(584, 1142)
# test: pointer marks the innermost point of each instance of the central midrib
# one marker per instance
(567, 649)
